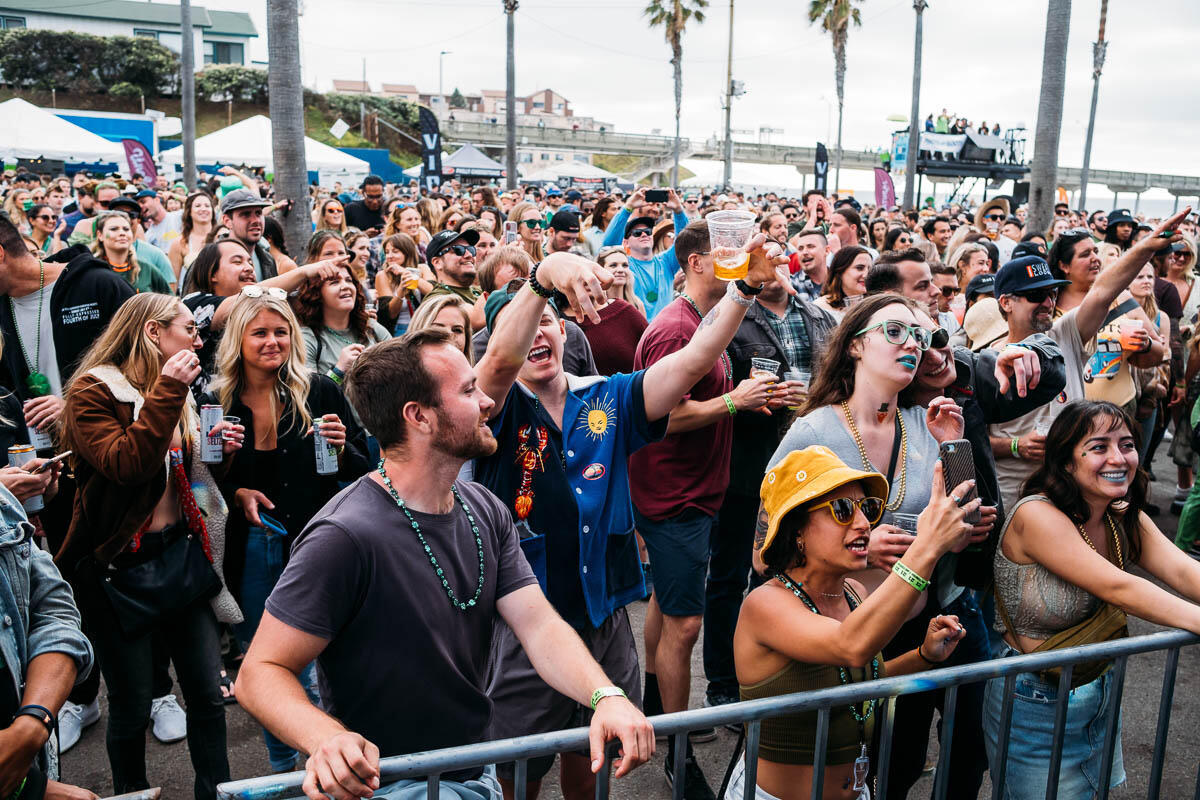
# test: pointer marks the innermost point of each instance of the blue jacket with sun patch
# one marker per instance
(568, 491)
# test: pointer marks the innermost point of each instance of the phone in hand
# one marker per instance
(657, 195)
(51, 462)
(510, 232)
(958, 465)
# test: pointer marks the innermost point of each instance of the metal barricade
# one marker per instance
(432, 764)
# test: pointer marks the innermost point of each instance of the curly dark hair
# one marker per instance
(1053, 478)
(834, 381)
(310, 309)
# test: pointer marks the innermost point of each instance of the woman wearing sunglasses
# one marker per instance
(273, 486)
(45, 229)
(853, 409)
(530, 224)
(147, 514)
(332, 217)
(812, 625)
(897, 239)
(217, 276)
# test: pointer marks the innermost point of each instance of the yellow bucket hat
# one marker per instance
(803, 476)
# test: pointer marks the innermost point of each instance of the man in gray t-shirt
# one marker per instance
(395, 587)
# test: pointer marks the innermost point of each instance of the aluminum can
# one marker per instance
(211, 447)
(39, 439)
(327, 457)
(18, 456)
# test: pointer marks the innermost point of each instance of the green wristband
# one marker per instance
(1013, 446)
(606, 691)
(729, 405)
(911, 578)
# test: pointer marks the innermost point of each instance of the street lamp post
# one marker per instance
(914, 121)
(1098, 50)
(441, 91)
(510, 101)
(728, 179)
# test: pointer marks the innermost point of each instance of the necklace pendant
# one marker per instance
(862, 766)
(38, 384)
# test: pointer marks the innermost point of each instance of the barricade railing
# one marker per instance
(429, 766)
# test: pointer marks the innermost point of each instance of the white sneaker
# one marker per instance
(72, 719)
(170, 723)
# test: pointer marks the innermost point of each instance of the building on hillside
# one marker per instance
(347, 87)
(221, 37)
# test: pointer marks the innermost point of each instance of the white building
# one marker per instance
(220, 37)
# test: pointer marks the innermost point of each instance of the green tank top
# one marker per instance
(791, 739)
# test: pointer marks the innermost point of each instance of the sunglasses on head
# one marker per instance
(897, 333)
(1038, 296)
(255, 291)
(842, 509)
(640, 232)
(461, 249)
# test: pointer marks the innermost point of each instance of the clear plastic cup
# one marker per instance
(1042, 427)
(228, 434)
(1128, 328)
(801, 377)
(728, 233)
(764, 368)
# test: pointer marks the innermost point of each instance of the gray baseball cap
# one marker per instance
(242, 198)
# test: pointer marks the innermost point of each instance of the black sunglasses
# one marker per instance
(940, 338)
(950, 291)
(993, 217)
(1038, 296)
(461, 249)
(640, 232)
(842, 509)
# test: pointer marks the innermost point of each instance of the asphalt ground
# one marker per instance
(169, 767)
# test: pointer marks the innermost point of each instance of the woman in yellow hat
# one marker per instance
(808, 627)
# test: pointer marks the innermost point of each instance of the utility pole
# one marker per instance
(188, 89)
(441, 91)
(1098, 51)
(510, 101)
(362, 106)
(729, 105)
(914, 119)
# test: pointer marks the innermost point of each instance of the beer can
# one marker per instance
(327, 459)
(211, 447)
(39, 439)
(18, 456)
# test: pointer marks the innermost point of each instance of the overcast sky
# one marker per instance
(981, 59)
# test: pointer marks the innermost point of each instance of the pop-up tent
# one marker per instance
(747, 177)
(570, 175)
(249, 142)
(27, 131)
(469, 161)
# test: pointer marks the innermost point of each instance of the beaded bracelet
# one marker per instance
(729, 405)
(901, 570)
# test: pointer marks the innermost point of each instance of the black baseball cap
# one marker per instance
(125, 204)
(1030, 248)
(574, 196)
(441, 241)
(648, 222)
(980, 284)
(565, 220)
(1025, 274)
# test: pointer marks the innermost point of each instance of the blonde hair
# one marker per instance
(428, 311)
(124, 344)
(291, 380)
(102, 219)
(625, 291)
(534, 250)
(963, 253)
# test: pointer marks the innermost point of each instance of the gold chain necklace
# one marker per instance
(862, 452)
(1112, 530)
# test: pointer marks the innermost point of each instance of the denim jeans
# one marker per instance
(192, 640)
(1032, 735)
(265, 552)
(728, 573)
(914, 712)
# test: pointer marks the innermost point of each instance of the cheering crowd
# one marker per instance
(395, 492)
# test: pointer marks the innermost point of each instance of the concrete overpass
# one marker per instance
(656, 153)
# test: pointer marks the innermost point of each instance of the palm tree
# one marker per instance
(510, 100)
(673, 16)
(835, 17)
(286, 105)
(1043, 173)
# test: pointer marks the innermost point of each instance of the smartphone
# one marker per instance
(958, 465)
(510, 232)
(657, 195)
(51, 461)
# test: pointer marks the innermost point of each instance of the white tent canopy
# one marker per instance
(249, 142)
(747, 177)
(549, 173)
(27, 131)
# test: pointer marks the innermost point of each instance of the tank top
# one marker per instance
(791, 739)
(1039, 602)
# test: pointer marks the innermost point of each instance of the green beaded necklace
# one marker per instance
(859, 717)
(454, 601)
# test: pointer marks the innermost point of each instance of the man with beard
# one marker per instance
(653, 274)
(367, 214)
(242, 213)
(1026, 291)
(562, 467)
(412, 569)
